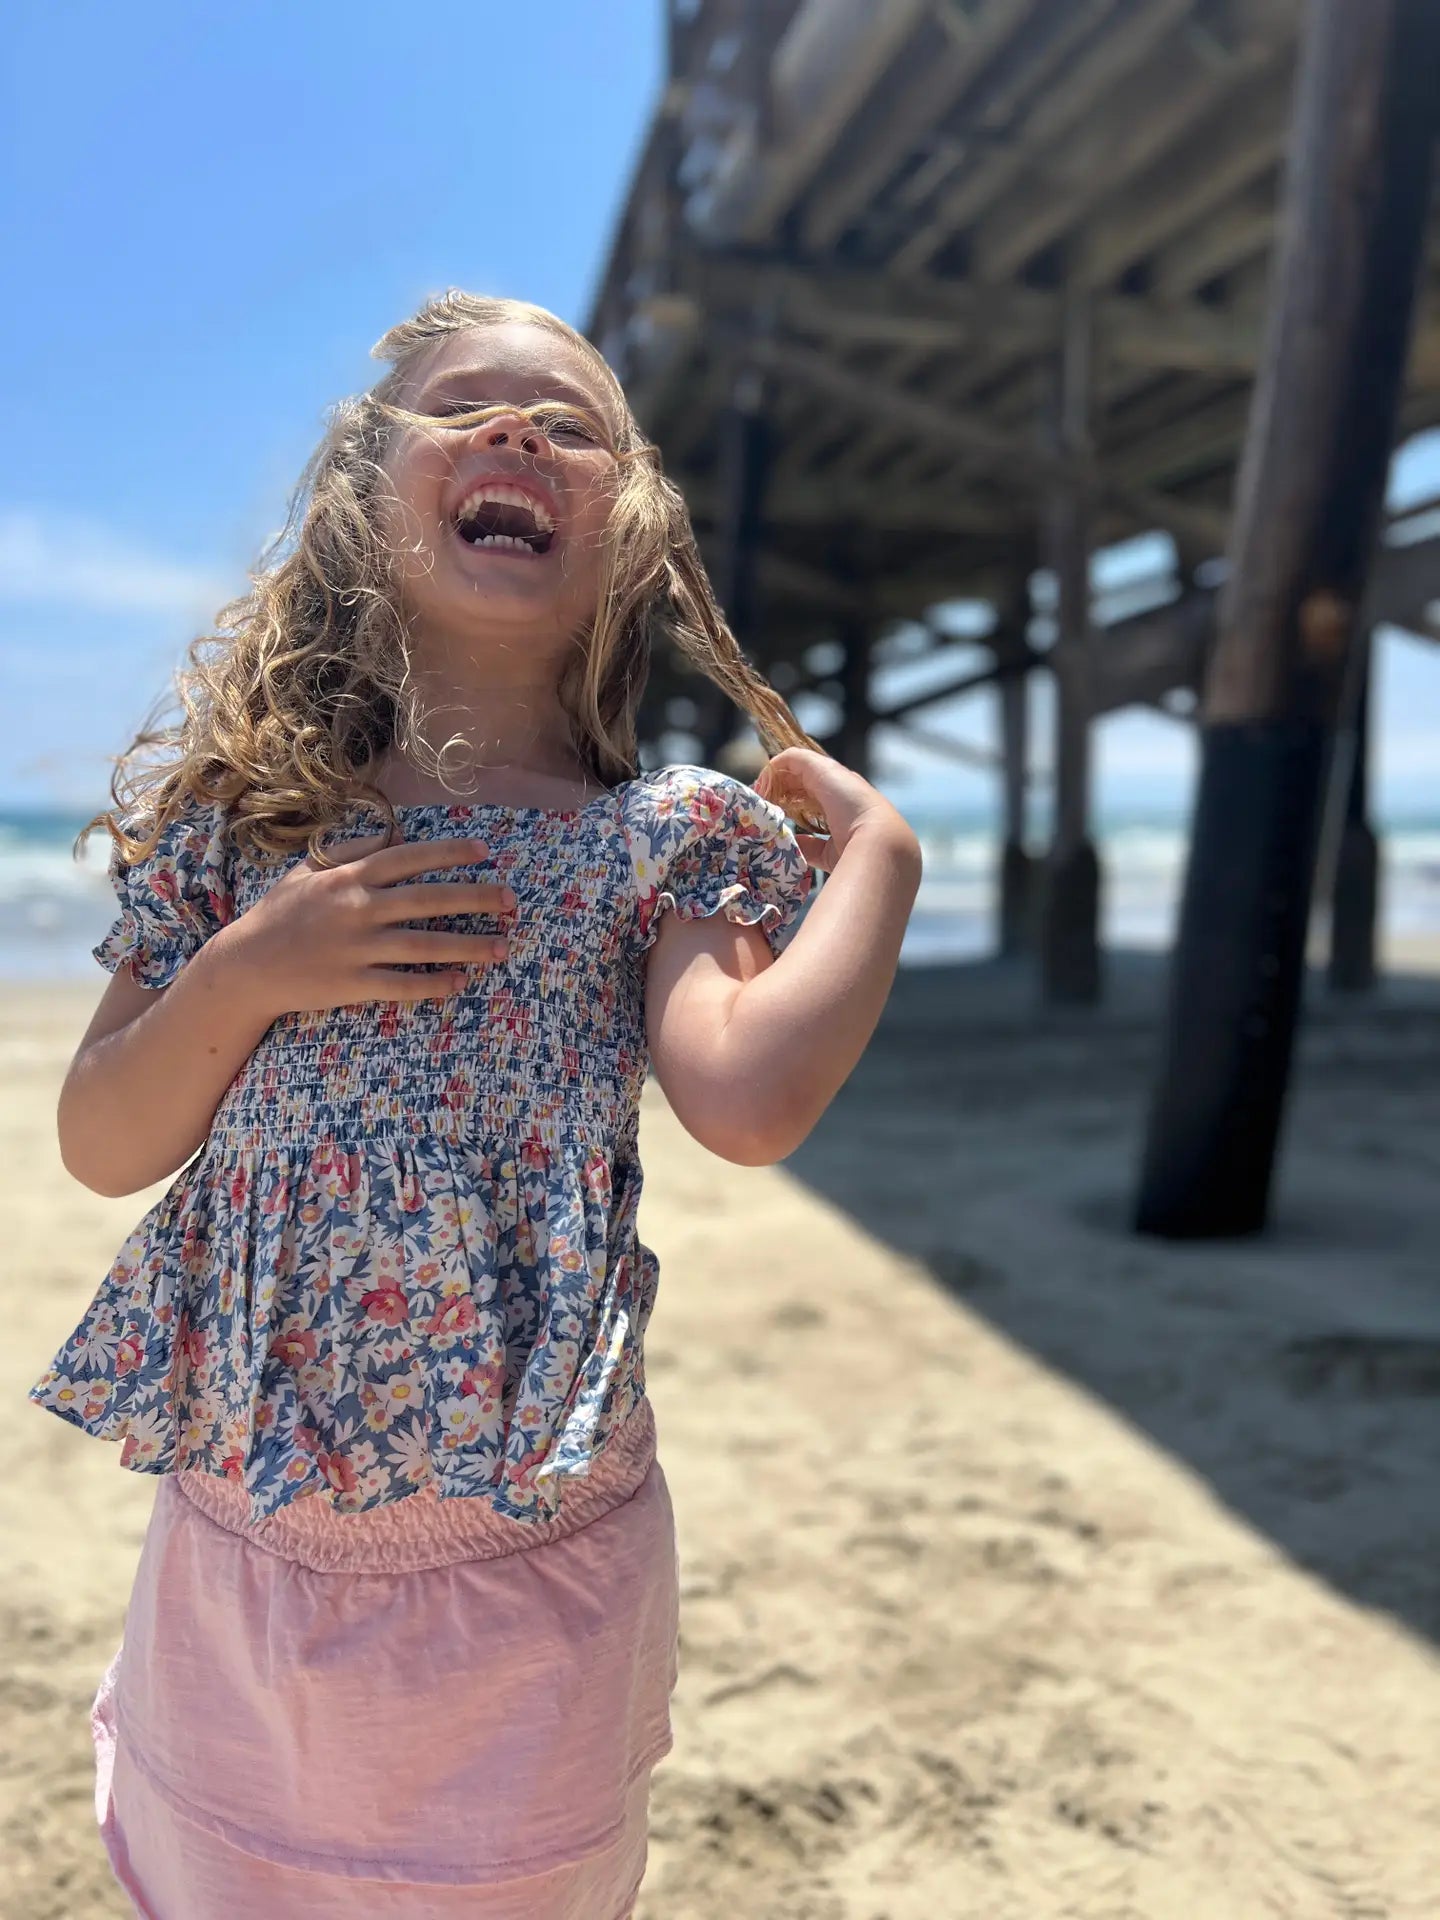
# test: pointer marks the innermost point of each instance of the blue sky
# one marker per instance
(209, 216)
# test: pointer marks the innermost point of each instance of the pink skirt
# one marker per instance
(424, 1709)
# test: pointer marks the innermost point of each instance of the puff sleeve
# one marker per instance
(703, 842)
(171, 901)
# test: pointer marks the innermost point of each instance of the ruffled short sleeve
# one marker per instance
(703, 842)
(173, 900)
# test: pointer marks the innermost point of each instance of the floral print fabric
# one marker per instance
(407, 1252)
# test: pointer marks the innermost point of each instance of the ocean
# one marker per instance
(54, 908)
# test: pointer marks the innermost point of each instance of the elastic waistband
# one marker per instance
(421, 1530)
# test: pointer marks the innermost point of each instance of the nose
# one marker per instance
(512, 429)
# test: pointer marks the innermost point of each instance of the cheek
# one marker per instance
(590, 512)
(407, 494)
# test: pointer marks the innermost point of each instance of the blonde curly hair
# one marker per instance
(305, 680)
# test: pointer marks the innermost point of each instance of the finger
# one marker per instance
(818, 850)
(384, 865)
(471, 949)
(418, 902)
(382, 983)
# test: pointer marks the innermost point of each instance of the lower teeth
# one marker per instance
(503, 540)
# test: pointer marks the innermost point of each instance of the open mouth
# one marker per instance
(496, 518)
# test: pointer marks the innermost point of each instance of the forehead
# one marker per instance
(513, 360)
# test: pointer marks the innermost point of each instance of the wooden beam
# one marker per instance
(826, 62)
(1310, 496)
(1196, 528)
(819, 501)
(1243, 137)
(1072, 103)
(921, 312)
(948, 748)
(872, 156)
(1145, 114)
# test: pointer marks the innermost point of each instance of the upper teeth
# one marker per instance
(498, 494)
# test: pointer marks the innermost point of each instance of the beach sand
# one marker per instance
(1029, 1569)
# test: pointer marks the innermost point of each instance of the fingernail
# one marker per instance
(507, 898)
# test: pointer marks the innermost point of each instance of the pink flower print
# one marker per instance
(646, 903)
(389, 1020)
(412, 1193)
(195, 1346)
(128, 1355)
(232, 1465)
(97, 1397)
(239, 1187)
(457, 1315)
(386, 1304)
(165, 885)
(294, 1344)
(707, 809)
(278, 1198)
(485, 1381)
(218, 900)
(338, 1471)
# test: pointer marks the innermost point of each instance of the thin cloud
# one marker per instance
(72, 564)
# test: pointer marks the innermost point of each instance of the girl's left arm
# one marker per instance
(750, 1049)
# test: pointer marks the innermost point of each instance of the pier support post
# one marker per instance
(851, 742)
(1019, 879)
(1311, 485)
(1070, 924)
(1357, 861)
(745, 455)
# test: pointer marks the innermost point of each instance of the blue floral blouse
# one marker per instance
(407, 1250)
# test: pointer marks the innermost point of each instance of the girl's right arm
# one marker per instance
(153, 1065)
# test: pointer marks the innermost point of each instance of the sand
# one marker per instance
(1029, 1569)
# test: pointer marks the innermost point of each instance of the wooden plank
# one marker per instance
(869, 163)
(1309, 504)
(1152, 109)
(1067, 105)
(999, 450)
(919, 311)
(1241, 139)
(830, 56)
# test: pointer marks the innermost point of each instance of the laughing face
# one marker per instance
(497, 528)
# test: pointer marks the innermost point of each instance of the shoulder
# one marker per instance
(186, 851)
(685, 800)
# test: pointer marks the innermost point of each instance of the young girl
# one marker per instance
(403, 1634)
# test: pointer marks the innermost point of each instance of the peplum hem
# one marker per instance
(362, 1322)
(424, 1532)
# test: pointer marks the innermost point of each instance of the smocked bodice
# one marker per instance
(550, 1040)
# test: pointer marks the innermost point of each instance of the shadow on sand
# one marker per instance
(1299, 1373)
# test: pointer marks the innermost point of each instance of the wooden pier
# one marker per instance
(918, 296)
